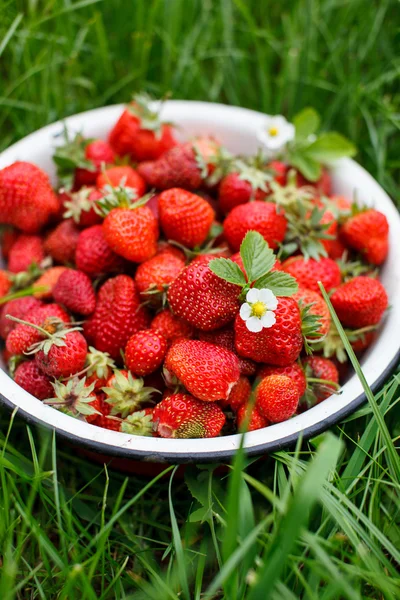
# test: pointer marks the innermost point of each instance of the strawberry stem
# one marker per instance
(30, 291)
(22, 322)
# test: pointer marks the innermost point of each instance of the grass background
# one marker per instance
(320, 521)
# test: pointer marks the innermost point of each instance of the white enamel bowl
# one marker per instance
(236, 128)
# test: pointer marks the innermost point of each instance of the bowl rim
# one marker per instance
(185, 451)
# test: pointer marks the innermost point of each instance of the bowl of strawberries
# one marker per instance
(166, 273)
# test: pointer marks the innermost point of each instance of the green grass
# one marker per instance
(321, 521)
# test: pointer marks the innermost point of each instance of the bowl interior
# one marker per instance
(236, 128)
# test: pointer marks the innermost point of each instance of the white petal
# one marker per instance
(253, 295)
(254, 324)
(269, 298)
(245, 311)
(268, 319)
(278, 121)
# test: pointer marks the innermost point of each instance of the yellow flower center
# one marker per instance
(258, 309)
(273, 131)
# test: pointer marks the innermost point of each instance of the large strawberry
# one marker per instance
(140, 133)
(207, 371)
(61, 243)
(360, 302)
(27, 200)
(182, 416)
(225, 337)
(185, 217)
(179, 167)
(263, 217)
(117, 316)
(33, 380)
(277, 398)
(153, 276)
(62, 354)
(123, 176)
(309, 272)
(145, 352)
(294, 371)
(368, 233)
(27, 250)
(94, 256)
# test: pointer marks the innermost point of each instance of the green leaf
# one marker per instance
(330, 146)
(281, 284)
(307, 165)
(257, 256)
(200, 515)
(228, 270)
(306, 123)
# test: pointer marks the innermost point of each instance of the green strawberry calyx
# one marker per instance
(121, 196)
(127, 394)
(142, 107)
(74, 398)
(54, 333)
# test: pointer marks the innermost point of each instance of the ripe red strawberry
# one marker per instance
(132, 232)
(105, 419)
(263, 217)
(241, 187)
(33, 380)
(125, 394)
(145, 352)
(321, 368)
(9, 235)
(62, 360)
(76, 398)
(75, 291)
(367, 232)
(117, 316)
(170, 326)
(122, 176)
(47, 281)
(323, 185)
(317, 306)
(61, 243)
(309, 272)
(225, 338)
(178, 167)
(5, 283)
(80, 207)
(22, 337)
(153, 276)
(27, 250)
(27, 200)
(239, 395)
(207, 371)
(294, 371)
(16, 308)
(164, 247)
(182, 416)
(185, 217)
(256, 421)
(277, 398)
(99, 153)
(94, 256)
(363, 341)
(140, 133)
(202, 298)
(360, 302)
(277, 345)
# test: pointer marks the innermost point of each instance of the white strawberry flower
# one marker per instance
(276, 133)
(258, 309)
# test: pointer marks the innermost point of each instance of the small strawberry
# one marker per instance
(117, 316)
(202, 299)
(61, 243)
(23, 336)
(75, 398)
(75, 291)
(122, 177)
(207, 371)
(27, 200)
(16, 308)
(239, 395)
(277, 398)
(145, 352)
(26, 250)
(125, 394)
(94, 256)
(62, 354)
(140, 133)
(256, 421)
(153, 276)
(367, 232)
(309, 272)
(100, 154)
(360, 302)
(319, 370)
(317, 307)
(47, 281)
(243, 185)
(177, 168)
(294, 371)
(182, 416)
(33, 380)
(81, 207)
(263, 217)
(130, 228)
(225, 338)
(185, 217)
(170, 326)
(5, 283)
(279, 344)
